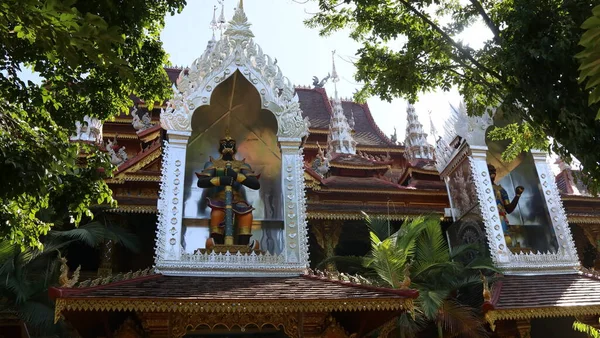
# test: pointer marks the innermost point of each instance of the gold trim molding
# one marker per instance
(544, 312)
(358, 147)
(227, 306)
(355, 216)
(185, 322)
(393, 192)
(366, 167)
(583, 219)
(120, 136)
(140, 209)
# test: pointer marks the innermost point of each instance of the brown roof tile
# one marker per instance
(238, 288)
(315, 105)
(367, 131)
(370, 183)
(541, 296)
(395, 212)
(516, 292)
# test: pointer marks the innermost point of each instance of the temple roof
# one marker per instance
(308, 293)
(350, 161)
(525, 297)
(332, 210)
(316, 105)
(368, 183)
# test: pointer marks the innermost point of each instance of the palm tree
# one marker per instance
(417, 256)
(27, 273)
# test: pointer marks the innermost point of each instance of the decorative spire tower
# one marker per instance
(416, 147)
(432, 129)
(340, 139)
(222, 21)
(214, 26)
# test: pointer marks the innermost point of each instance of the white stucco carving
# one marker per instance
(465, 141)
(235, 51)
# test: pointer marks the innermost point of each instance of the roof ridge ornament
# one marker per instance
(415, 141)
(340, 139)
(239, 27)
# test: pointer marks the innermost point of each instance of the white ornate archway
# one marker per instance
(465, 144)
(236, 51)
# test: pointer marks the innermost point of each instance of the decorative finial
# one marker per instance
(227, 135)
(334, 75)
(239, 27)
(214, 25)
(432, 129)
(340, 139)
(222, 21)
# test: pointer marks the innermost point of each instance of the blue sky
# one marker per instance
(301, 53)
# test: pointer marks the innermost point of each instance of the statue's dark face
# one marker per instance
(492, 171)
(227, 148)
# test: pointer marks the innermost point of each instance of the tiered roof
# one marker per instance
(542, 296)
(317, 107)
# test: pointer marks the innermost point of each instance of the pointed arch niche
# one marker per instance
(462, 160)
(235, 85)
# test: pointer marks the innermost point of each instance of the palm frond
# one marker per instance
(8, 252)
(431, 301)
(387, 261)
(356, 262)
(587, 329)
(409, 325)
(38, 316)
(94, 233)
(378, 225)
(456, 252)
(432, 249)
(482, 263)
(461, 320)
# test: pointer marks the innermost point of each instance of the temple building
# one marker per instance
(242, 183)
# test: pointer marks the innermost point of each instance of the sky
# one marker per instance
(278, 27)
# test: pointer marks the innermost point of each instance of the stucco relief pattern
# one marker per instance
(236, 51)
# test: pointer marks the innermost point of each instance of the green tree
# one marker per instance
(27, 273)
(91, 56)
(587, 329)
(590, 56)
(527, 67)
(445, 283)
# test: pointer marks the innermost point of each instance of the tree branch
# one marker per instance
(488, 21)
(456, 45)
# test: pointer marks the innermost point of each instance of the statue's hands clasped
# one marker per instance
(231, 173)
(226, 180)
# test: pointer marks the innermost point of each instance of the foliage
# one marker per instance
(91, 56)
(590, 57)
(27, 273)
(526, 68)
(440, 275)
(587, 329)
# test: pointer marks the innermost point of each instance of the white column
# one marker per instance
(172, 196)
(487, 203)
(556, 211)
(294, 213)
